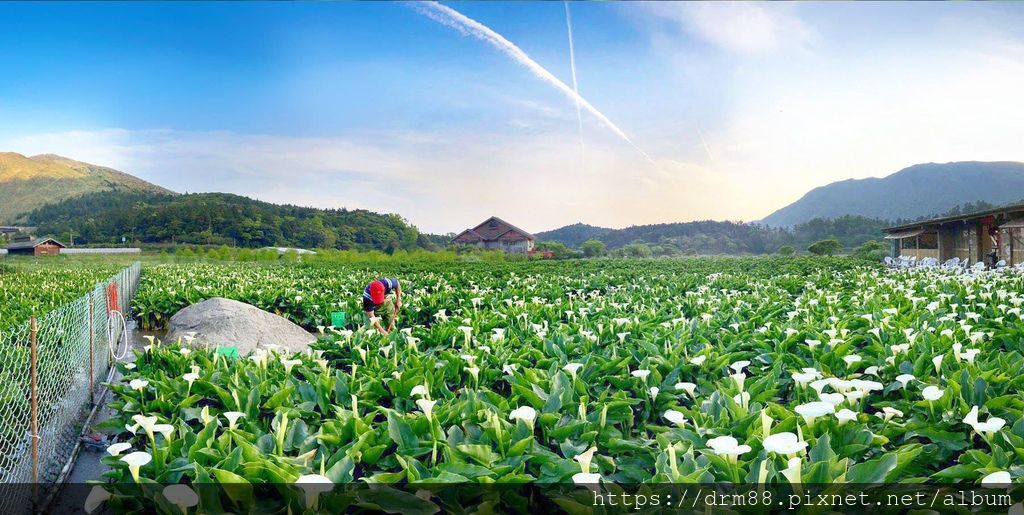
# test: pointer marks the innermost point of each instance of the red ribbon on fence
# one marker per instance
(112, 301)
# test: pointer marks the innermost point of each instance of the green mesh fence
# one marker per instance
(41, 420)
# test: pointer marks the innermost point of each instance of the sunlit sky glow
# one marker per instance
(741, 107)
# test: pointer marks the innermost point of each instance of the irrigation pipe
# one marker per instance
(116, 344)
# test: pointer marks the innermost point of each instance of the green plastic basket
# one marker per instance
(228, 352)
(338, 319)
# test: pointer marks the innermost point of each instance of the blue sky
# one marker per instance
(395, 107)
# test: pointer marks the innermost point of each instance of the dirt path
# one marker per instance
(87, 466)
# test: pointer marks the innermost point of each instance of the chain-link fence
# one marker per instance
(50, 370)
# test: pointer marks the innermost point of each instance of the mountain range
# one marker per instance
(27, 183)
(853, 211)
(910, 193)
(101, 205)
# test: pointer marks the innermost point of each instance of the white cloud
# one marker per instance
(787, 120)
(745, 27)
(872, 119)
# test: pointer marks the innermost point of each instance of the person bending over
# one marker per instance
(377, 298)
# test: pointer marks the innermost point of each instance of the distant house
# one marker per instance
(989, 236)
(495, 233)
(35, 247)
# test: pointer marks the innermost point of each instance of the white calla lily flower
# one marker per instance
(585, 458)
(233, 417)
(932, 393)
(727, 446)
(584, 478)
(845, 415)
(136, 461)
(427, 406)
(525, 413)
(689, 388)
(572, 369)
(675, 417)
(812, 410)
(117, 448)
(905, 379)
(182, 496)
(312, 486)
(97, 496)
(792, 472)
(786, 444)
(999, 479)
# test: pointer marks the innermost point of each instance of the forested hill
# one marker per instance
(29, 182)
(220, 218)
(910, 193)
(711, 237)
(574, 235)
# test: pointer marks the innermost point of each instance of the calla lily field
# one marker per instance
(763, 371)
(25, 291)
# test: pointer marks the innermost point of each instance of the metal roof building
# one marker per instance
(988, 236)
(36, 247)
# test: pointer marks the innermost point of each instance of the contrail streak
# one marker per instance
(470, 27)
(706, 147)
(575, 85)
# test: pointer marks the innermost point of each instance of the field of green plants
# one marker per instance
(30, 288)
(307, 293)
(705, 370)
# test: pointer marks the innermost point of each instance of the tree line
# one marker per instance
(222, 219)
(712, 237)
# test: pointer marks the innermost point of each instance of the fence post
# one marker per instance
(35, 404)
(92, 354)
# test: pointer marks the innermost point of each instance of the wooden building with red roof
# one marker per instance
(495, 233)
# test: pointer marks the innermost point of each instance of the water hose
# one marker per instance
(116, 317)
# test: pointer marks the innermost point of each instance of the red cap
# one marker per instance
(377, 292)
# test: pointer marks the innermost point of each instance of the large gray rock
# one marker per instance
(229, 323)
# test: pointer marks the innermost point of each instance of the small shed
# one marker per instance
(35, 247)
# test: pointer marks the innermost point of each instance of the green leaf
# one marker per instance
(238, 489)
(401, 433)
(390, 500)
(822, 450)
(872, 471)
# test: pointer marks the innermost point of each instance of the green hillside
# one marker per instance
(27, 183)
(574, 235)
(713, 237)
(221, 219)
